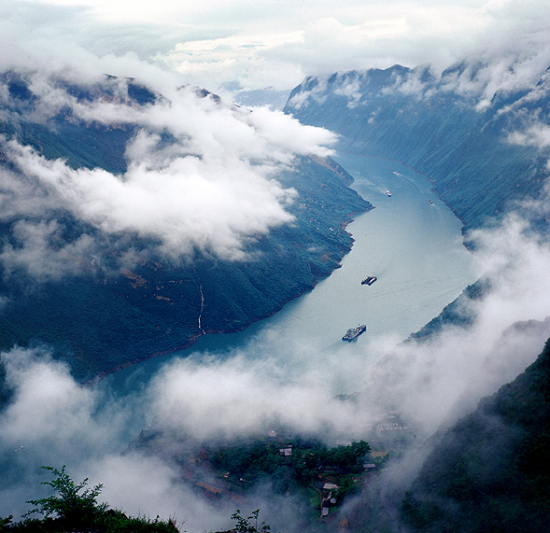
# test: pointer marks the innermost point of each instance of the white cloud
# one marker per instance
(271, 44)
(432, 381)
(538, 135)
(274, 379)
(240, 396)
(50, 414)
(213, 190)
(43, 252)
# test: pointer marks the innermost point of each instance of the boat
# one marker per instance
(353, 333)
(388, 193)
(369, 280)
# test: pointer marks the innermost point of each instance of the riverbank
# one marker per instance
(413, 246)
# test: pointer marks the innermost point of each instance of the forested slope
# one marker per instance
(104, 297)
(491, 471)
(467, 146)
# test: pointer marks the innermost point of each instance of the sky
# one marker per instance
(233, 155)
(223, 45)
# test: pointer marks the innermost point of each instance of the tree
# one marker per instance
(70, 505)
(250, 524)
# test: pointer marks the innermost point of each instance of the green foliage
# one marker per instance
(346, 486)
(249, 524)
(5, 522)
(71, 504)
(75, 507)
(252, 461)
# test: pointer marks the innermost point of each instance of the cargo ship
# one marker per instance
(369, 280)
(353, 333)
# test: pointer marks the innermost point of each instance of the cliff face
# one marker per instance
(104, 296)
(466, 142)
(490, 472)
(483, 152)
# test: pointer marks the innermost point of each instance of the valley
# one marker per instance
(194, 324)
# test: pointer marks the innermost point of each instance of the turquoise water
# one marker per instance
(411, 241)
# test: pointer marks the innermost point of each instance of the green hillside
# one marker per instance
(103, 319)
(491, 471)
(410, 116)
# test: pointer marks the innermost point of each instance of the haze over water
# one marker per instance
(411, 241)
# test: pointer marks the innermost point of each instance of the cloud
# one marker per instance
(274, 380)
(49, 413)
(215, 189)
(537, 134)
(444, 377)
(212, 190)
(187, 205)
(240, 397)
(43, 252)
(52, 420)
(272, 44)
(429, 381)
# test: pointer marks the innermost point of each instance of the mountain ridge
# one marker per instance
(86, 304)
(411, 116)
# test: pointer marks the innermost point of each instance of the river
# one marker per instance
(411, 242)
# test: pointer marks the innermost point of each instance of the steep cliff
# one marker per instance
(468, 142)
(108, 278)
(490, 472)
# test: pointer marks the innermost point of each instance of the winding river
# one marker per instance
(411, 242)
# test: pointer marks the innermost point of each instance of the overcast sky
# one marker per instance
(272, 43)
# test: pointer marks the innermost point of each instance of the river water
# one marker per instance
(411, 242)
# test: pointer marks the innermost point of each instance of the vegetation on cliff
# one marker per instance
(490, 472)
(428, 123)
(74, 507)
(122, 302)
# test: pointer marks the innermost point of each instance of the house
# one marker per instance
(285, 452)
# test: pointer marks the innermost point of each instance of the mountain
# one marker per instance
(483, 150)
(478, 148)
(490, 471)
(109, 256)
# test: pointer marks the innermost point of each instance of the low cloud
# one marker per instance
(521, 68)
(44, 254)
(240, 396)
(52, 420)
(273, 380)
(536, 134)
(212, 190)
(446, 375)
(216, 44)
(215, 189)
(49, 413)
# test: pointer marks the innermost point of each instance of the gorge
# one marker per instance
(482, 156)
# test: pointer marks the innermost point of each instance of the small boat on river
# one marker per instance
(353, 333)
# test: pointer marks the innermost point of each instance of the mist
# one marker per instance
(214, 191)
(272, 381)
